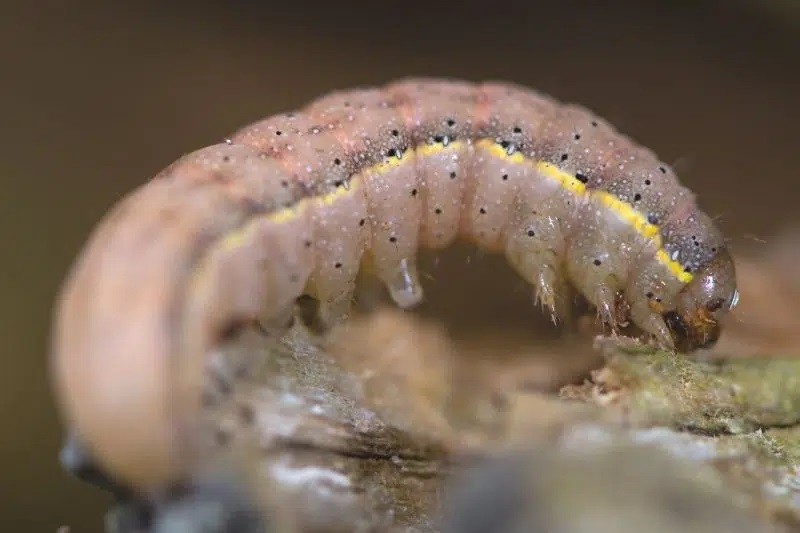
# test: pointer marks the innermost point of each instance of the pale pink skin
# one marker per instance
(170, 270)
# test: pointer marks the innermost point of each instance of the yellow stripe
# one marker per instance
(566, 180)
(235, 239)
(391, 162)
(339, 192)
(238, 237)
(499, 152)
(435, 148)
(288, 214)
(630, 215)
(673, 266)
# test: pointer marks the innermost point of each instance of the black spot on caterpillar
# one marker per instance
(289, 206)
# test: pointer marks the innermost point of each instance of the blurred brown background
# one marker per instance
(98, 96)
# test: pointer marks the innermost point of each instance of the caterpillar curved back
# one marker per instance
(292, 205)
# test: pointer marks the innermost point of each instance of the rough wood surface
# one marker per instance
(387, 425)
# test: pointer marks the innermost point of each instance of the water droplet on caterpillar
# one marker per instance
(404, 285)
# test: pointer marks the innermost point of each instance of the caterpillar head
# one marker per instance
(695, 323)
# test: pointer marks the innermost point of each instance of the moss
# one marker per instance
(737, 396)
(786, 443)
(741, 415)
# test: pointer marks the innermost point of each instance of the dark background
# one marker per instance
(99, 96)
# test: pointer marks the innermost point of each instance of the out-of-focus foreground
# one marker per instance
(100, 96)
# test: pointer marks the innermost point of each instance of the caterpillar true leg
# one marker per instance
(605, 298)
(654, 324)
(554, 293)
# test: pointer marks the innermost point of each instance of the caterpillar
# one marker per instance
(294, 204)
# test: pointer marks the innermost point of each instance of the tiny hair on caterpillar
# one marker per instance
(293, 205)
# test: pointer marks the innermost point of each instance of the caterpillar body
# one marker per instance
(294, 204)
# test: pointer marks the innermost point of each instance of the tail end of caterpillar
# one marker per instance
(110, 382)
